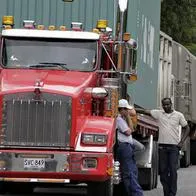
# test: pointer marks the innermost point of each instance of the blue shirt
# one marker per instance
(122, 127)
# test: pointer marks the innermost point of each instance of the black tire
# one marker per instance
(184, 161)
(118, 189)
(150, 184)
(193, 152)
(155, 165)
(146, 178)
(100, 188)
(3, 188)
(27, 188)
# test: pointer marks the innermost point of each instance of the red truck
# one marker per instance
(58, 98)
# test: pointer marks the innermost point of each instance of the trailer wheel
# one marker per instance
(185, 159)
(100, 188)
(150, 175)
(193, 152)
(155, 165)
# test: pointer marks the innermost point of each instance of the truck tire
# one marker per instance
(3, 188)
(193, 152)
(100, 188)
(184, 161)
(146, 178)
(155, 164)
(27, 188)
(150, 175)
(118, 189)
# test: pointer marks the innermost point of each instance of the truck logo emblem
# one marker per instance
(37, 91)
(39, 83)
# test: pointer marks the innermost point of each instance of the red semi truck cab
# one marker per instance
(54, 126)
(58, 102)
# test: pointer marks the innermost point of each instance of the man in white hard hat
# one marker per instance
(125, 151)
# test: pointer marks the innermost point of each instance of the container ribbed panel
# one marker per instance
(56, 12)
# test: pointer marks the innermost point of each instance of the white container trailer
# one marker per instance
(177, 67)
(165, 81)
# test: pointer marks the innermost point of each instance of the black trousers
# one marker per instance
(168, 160)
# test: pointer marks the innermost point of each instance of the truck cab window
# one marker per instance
(24, 52)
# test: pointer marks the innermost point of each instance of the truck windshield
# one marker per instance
(50, 53)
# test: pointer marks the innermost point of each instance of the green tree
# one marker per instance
(178, 19)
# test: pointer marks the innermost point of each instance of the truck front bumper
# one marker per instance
(54, 166)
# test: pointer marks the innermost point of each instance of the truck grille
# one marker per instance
(28, 122)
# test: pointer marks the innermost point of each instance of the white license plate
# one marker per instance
(34, 163)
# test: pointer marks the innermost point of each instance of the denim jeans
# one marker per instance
(168, 160)
(129, 172)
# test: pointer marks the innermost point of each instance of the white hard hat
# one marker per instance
(123, 103)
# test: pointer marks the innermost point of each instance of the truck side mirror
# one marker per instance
(131, 57)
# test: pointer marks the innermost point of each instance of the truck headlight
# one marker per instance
(97, 139)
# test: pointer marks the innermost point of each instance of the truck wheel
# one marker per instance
(184, 161)
(155, 165)
(100, 188)
(27, 188)
(146, 178)
(118, 189)
(150, 174)
(193, 152)
(3, 188)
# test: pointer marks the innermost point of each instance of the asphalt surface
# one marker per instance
(186, 183)
(186, 187)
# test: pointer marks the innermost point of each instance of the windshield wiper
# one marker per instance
(47, 64)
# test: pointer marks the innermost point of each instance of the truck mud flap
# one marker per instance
(148, 177)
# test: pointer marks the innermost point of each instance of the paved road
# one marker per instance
(186, 187)
(186, 183)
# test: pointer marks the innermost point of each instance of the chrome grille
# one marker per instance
(39, 123)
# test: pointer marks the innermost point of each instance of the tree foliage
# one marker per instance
(178, 19)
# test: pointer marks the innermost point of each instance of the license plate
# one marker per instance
(32, 163)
